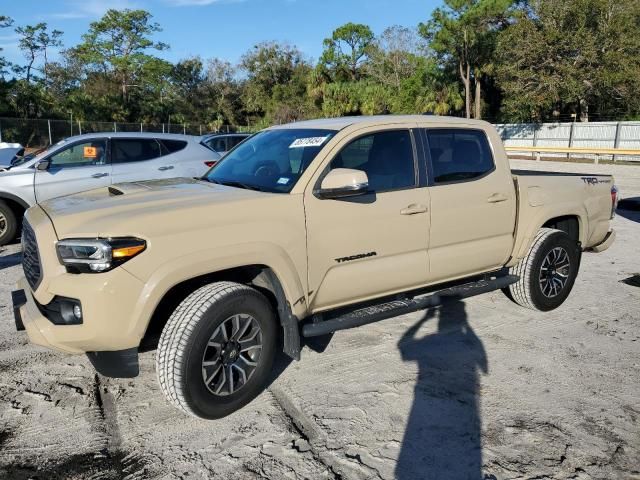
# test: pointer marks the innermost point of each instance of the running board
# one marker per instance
(382, 311)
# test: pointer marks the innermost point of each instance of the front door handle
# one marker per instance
(99, 175)
(413, 209)
(168, 167)
(497, 198)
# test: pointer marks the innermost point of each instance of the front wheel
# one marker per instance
(547, 273)
(217, 349)
(8, 224)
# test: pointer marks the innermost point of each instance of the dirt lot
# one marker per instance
(477, 390)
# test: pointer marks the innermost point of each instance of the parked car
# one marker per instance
(223, 142)
(9, 152)
(302, 230)
(85, 162)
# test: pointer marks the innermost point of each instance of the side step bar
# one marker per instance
(382, 311)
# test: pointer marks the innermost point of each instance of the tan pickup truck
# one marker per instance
(301, 230)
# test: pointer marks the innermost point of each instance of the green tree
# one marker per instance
(394, 56)
(571, 56)
(36, 40)
(346, 51)
(224, 95)
(275, 85)
(462, 34)
(4, 23)
(118, 45)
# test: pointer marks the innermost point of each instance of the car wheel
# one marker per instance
(548, 271)
(8, 224)
(217, 349)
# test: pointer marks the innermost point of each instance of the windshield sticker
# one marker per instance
(308, 142)
(283, 181)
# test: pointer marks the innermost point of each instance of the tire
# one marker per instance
(196, 347)
(8, 224)
(549, 252)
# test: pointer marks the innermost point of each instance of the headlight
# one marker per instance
(81, 255)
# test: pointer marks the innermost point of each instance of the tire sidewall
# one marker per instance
(200, 400)
(556, 239)
(12, 225)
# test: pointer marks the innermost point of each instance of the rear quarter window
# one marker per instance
(459, 154)
(172, 146)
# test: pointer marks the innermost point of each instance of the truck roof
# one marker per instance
(342, 122)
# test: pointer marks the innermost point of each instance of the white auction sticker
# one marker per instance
(283, 181)
(308, 142)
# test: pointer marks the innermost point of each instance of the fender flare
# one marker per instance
(268, 279)
(14, 198)
(277, 274)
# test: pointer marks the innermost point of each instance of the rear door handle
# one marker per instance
(497, 198)
(413, 209)
(99, 175)
(168, 167)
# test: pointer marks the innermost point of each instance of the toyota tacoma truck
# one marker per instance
(301, 230)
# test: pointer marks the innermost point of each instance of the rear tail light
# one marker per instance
(211, 163)
(614, 200)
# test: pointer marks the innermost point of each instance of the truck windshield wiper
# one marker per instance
(231, 183)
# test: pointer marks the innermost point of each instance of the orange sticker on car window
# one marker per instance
(90, 152)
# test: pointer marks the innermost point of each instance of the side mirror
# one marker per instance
(344, 182)
(43, 165)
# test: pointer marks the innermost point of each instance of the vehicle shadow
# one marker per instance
(442, 439)
(629, 208)
(10, 260)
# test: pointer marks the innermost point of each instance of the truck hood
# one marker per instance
(144, 208)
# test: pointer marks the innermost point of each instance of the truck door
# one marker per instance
(366, 246)
(80, 166)
(473, 205)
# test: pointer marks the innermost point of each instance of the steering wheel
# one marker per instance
(268, 168)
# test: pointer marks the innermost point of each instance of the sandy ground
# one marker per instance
(477, 390)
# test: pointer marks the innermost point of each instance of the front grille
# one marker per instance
(30, 256)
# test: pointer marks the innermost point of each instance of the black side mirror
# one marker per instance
(43, 165)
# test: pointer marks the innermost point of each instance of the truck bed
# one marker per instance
(556, 195)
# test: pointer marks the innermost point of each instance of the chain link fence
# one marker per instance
(38, 133)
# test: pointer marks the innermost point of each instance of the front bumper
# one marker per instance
(29, 316)
(107, 304)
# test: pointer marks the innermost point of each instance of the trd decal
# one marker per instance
(594, 180)
(356, 257)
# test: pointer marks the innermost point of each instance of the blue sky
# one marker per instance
(219, 28)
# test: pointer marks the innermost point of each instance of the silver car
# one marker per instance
(223, 142)
(89, 161)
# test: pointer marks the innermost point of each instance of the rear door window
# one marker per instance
(459, 154)
(126, 150)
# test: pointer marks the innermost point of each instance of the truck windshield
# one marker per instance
(270, 161)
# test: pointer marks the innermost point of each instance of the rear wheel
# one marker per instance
(547, 273)
(217, 349)
(8, 224)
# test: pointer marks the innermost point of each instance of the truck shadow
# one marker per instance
(442, 439)
(629, 208)
(10, 260)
